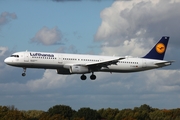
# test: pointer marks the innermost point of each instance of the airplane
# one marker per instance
(67, 64)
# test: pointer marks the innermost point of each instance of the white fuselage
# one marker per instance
(62, 62)
(82, 64)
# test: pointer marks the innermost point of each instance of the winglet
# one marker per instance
(158, 51)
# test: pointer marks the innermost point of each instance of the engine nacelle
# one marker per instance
(78, 69)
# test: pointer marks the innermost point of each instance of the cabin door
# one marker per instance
(26, 57)
(60, 59)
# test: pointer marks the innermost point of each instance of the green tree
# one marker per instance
(14, 115)
(3, 111)
(63, 110)
(57, 117)
(109, 113)
(175, 113)
(146, 108)
(44, 116)
(125, 114)
(157, 115)
(87, 114)
(33, 114)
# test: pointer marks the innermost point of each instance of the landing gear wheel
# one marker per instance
(23, 74)
(93, 77)
(83, 77)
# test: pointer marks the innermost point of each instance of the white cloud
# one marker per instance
(3, 50)
(48, 81)
(138, 22)
(132, 47)
(174, 1)
(163, 80)
(69, 49)
(5, 17)
(155, 81)
(47, 36)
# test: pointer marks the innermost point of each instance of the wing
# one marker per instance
(104, 63)
(95, 66)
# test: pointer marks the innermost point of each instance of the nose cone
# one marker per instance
(7, 60)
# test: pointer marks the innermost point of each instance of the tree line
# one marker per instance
(64, 112)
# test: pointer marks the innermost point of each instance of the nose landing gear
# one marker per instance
(24, 72)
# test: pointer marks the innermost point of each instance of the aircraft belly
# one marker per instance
(121, 68)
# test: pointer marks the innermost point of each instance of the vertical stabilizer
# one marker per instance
(158, 51)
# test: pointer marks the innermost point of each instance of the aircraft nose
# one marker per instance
(7, 61)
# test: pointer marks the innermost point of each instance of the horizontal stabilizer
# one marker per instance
(164, 63)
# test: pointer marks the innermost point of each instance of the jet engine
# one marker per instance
(78, 69)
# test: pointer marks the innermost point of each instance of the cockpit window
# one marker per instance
(14, 55)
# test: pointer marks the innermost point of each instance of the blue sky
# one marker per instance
(93, 27)
(77, 22)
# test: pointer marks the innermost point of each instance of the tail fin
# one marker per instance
(159, 49)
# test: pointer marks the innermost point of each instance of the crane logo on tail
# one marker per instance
(160, 48)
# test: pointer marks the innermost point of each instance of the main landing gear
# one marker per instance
(92, 77)
(24, 72)
(83, 77)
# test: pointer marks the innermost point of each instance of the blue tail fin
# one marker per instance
(159, 49)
